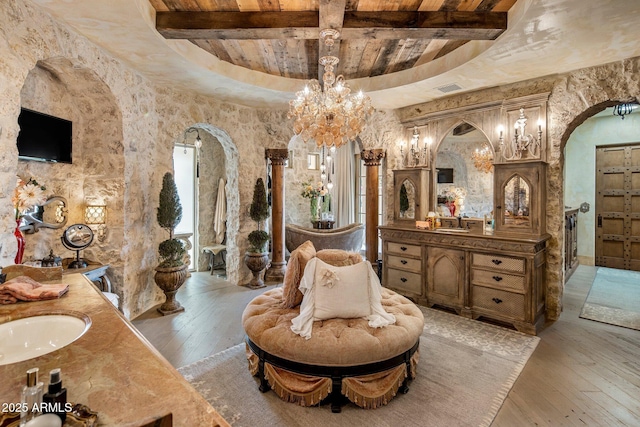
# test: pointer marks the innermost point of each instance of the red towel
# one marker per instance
(24, 288)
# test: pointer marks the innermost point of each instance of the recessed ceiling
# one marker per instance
(543, 37)
(377, 37)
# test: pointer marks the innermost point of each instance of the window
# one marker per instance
(184, 165)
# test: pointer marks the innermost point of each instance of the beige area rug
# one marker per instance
(614, 298)
(465, 372)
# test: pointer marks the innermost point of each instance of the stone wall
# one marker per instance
(128, 128)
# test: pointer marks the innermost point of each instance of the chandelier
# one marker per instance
(330, 115)
(483, 159)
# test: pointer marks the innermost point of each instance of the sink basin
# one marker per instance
(30, 337)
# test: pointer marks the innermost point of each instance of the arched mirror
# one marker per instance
(517, 195)
(407, 200)
(464, 173)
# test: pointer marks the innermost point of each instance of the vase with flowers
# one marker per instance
(27, 195)
(454, 197)
(313, 192)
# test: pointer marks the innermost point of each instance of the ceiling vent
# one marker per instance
(451, 87)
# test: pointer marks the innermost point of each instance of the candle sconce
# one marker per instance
(418, 157)
(521, 142)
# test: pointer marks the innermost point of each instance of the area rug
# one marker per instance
(614, 298)
(465, 372)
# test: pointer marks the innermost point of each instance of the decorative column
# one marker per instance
(278, 158)
(372, 159)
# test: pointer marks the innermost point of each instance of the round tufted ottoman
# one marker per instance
(343, 357)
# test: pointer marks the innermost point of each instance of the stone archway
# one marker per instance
(211, 136)
(61, 87)
(574, 98)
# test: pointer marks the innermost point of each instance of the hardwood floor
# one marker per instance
(583, 373)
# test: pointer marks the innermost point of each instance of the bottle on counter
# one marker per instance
(56, 396)
(31, 397)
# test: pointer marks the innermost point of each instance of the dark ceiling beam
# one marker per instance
(355, 25)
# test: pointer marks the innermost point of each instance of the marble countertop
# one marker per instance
(112, 368)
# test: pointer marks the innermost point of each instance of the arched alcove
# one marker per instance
(218, 159)
(60, 87)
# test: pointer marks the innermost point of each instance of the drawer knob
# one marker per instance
(496, 300)
(403, 261)
(403, 248)
(403, 279)
(496, 261)
(497, 278)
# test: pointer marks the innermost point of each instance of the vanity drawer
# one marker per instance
(402, 280)
(498, 279)
(499, 262)
(402, 263)
(508, 304)
(404, 249)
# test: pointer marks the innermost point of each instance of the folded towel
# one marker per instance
(24, 288)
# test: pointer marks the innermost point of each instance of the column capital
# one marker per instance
(373, 157)
(278, 156)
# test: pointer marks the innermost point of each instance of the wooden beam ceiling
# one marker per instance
(451, 25)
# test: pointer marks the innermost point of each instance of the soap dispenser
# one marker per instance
(56, 396)
(31, 397)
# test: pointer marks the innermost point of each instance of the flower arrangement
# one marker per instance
(26, 195)
(454, 194)
(311, 192)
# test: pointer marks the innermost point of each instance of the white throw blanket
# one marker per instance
(303, 323)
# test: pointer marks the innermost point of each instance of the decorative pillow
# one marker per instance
(291, 296)
(339, 257)
(341, 292)
(348, 299)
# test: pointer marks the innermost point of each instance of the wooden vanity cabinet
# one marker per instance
(495, 277)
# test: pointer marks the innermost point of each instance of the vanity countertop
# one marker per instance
(112, 368)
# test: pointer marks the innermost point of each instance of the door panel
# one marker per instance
(618, 206)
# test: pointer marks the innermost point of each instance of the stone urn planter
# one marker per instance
(169, 279)
(256, 262)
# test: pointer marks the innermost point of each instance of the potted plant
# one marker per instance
(257, 258)
(172, 271)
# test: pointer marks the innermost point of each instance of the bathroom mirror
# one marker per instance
(407, 200)
(51, 214)
(517, 202)
(469, 155)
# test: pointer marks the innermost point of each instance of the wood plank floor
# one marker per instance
(583, 373)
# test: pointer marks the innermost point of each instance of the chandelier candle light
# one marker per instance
(330, 115)
(521, 141)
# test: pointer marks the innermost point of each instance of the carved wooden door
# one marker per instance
(618, 207)
(445, 277)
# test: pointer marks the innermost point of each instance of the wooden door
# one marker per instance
(618, 206)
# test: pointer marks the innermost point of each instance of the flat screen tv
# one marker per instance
(445, 176)
(43, 137)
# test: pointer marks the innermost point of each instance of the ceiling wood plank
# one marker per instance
(431, 51)
(504, 6)
(269, 57)
(371, 52)
(384, 56)
(280, 51)
(430, 5)
(487, 5)
(254, 58)
(311, 47)
(469, 5)
(159, 5)
(269, 5)
(450, 5)
(248, 6)
(351, 52)
(450, 46)
(270, 25)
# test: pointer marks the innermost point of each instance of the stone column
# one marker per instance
(372, 159)
(278, 158)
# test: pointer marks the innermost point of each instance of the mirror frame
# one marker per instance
(34, 224)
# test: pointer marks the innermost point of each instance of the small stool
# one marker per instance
(216, 252)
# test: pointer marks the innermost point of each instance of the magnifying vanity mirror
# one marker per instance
(464, 173)
(51, 214)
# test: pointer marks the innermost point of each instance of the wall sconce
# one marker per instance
(97, 215)
(624, 109)
(197, 143)
(521, 141)
(418, 157)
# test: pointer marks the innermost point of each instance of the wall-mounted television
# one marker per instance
(445, 176)
(43, 137)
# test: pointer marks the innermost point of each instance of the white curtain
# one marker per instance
(220, 217)
(344, 191)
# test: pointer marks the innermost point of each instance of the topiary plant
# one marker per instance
(169, 215)
(259, 211)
